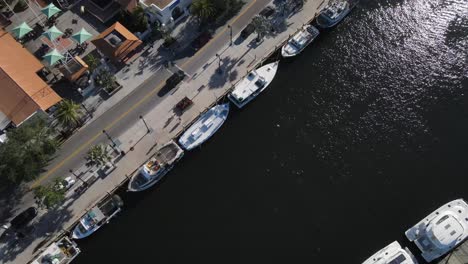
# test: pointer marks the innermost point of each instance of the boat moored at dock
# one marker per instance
(300, 41)
(97, 216)
(441, 231)
(63, 251)
(333, 14)
(155, 169)
(205, 126)
(253, 84)
(392, 254)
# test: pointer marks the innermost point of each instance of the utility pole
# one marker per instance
(144, 122)
(230, 34)
(109, 137)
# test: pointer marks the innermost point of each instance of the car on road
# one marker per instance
(24, 218)
(66, 183)
(249, 29)
(267, 12)
(201, 40)
(175, 79)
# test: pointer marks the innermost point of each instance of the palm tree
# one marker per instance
(262, 26)
(68, 113)
(98, 155)
(203, 9)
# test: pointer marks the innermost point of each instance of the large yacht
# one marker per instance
(97, 217)
(253, 84)
(206, 125)
(441, 231)
(333, 14)
(300, 41)
(155, 169)
(392, 254)
(63, 251)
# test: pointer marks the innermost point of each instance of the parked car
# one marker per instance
(175, 79)
(24, 218)
(267, 12)
(249, 29)
(201, 40)
(66, 183)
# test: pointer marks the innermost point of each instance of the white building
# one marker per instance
(166, 12)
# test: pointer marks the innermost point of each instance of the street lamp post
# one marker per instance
(109, 137)
(219, 64)
(86, 110)
(146, 125)
(230, 34)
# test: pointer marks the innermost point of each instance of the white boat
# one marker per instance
(441, 231)
(63, 251)
(253, 84)
(206, 125)
(155, 169)
(300, 41)
(392, 254)
(97, 217)
(333, 14)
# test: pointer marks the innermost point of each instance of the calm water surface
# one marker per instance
(357, 139)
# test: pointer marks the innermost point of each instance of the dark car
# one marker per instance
(24, 218)
(175, 79)
(199, 42)
(249, 29)
(267, 12)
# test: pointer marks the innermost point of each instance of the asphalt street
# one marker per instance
(125, 113)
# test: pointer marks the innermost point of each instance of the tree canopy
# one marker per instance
(68, 113)
(26, 151)
(50, 196)
(98, 155)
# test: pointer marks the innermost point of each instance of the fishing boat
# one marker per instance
(392, 254)
(333, 14)
(63, 251)
(300, 41)
(441, 231)
(155, 169)
(205, 126)
(253, 84)
(97, 217)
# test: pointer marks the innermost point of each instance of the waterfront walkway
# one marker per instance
(204, 86)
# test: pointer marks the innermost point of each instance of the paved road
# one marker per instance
(125, 113)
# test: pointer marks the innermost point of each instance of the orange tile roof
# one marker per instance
(22, 91)
(129, 43)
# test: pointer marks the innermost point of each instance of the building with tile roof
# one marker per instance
(22, 91)
(117, 43)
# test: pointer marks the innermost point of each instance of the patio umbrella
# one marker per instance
(81, 36)
(53, 56)
(21, 30)
(50, 10)
(52, 33)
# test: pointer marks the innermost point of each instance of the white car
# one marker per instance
(66, 183)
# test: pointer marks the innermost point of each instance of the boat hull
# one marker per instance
(268, 78)
(179, 153)
(187, 142)
(434, 227)
(390, 253)
(286, 54)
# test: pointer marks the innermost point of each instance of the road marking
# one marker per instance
(219, 34)
(108, 127)
(146, 97)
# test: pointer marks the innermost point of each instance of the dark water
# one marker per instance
(357, 139)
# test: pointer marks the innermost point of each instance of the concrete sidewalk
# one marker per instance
(205, 87)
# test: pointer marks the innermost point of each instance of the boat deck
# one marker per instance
(168, 153)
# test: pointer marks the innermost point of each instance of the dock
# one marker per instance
(205, 86)
(457, 256)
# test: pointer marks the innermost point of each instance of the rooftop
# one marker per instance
(23, 91)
